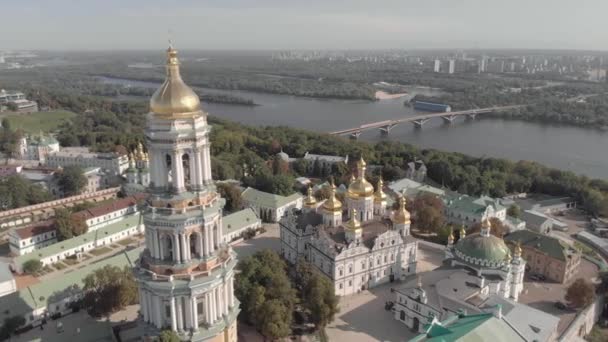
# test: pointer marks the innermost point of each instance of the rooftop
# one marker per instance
(473, 205)
(35, 229)
(112, 206)
(268, 200)
(42, 294)
(238, 220)
(478, 327)
(548, 245)
(54, 249)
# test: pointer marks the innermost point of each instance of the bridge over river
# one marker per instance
(419, 120)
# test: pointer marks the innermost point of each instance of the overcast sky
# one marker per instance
(304, 24)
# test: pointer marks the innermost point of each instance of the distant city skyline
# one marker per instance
(314, 24)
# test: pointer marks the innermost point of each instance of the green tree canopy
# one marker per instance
(581, 293)
(169, 336)
(68, 225)
(10, 326)
(514, 211)
(109, 289)
(232, 194)
(317, 294)
(266, 295)
(32, 266)
(71, 180)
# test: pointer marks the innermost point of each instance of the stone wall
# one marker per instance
(31, 213)
(584, 321)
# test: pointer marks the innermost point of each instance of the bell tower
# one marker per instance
(186, 272)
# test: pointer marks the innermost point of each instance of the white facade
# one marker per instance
(113, 163)
(364, 252)
(7, 281)
(28, 239)
(77, 245)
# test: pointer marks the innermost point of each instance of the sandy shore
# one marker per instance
(382, 95)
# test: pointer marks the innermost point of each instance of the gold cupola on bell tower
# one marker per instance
(174, 99)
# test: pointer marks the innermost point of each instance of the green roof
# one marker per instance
(471, 328)
(37, 296)
(239, 220)
(267, 200)
(57, 248)
(551, 246)
(490, 248)
(473, 205)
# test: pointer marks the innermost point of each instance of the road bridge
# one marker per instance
(419, 120)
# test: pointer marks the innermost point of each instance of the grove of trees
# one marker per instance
(109, 289)
(581, 293)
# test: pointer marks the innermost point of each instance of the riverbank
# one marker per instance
(382, 95)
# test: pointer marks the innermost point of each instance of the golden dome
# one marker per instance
(451, 237)
(332, 204)
(401, 215)
(174, 98)
(463, 232)
(518, 249)
(353, 223)
(310, 200)
(360, 187)
(380, 196)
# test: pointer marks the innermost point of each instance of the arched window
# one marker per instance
(350, 268)
(186, 168)
(402, 315)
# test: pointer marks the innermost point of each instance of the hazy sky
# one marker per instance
(310, 24)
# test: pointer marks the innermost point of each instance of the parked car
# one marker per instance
(560, 305)
(534, 277)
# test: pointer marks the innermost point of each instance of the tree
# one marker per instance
(10, 326)
(32, 266)
(580, 294)
(12, 106)
(429, 219)
(232, 194)
(109, 289)
(317, 294)
(68, 225)
(6, 124)
(279, 166)
(514, 211)
(71, 180)
(169, 336)
(266, 295)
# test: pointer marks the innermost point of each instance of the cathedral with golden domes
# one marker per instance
(186, 272)
(358, 246)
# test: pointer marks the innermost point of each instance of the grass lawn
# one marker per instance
(126, 241)
(100, 251)
(40, 121)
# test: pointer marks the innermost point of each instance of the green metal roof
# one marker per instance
(489, 248)
(57, 248)
(551, 246)
(267, 200)
(472, 205)
(472, 328)
(52, 290)
(239, 220)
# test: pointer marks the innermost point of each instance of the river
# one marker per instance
(582, 150)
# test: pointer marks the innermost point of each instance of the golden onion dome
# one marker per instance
(451, 237)
(463, 232)
(174, 98)
(310, 200)
(401, 215)
(380, 196)
(518, 250)
(360, 187)
(332, 204)
(353, 223)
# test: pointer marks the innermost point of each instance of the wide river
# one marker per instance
(582, 150)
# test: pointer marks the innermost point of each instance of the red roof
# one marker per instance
(36, 229)
(107, 208)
